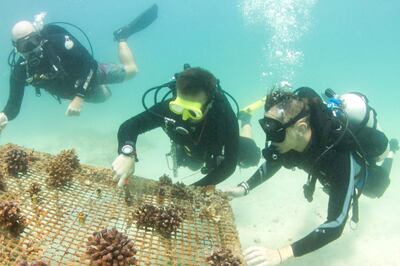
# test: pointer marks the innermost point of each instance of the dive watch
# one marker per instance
(128, 150)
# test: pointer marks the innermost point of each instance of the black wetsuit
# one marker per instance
(338, 171)
(216, 137)
(63, 72)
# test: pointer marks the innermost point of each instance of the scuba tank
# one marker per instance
(355, 117)
(365, 131)
(356, 108)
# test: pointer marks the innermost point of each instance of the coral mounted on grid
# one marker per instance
(34, 189)
(180, 191)
(16, 162)
(2, 182)
(169, 220)
(146, 216)
(61, 168)
(110, 247)
(11, 218)
(164, 220)
(163, 186)
(223, 257)
(165, 180)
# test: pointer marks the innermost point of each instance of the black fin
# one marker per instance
(139, 23)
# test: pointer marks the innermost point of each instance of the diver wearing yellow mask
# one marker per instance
(188, 109)
(198, 119)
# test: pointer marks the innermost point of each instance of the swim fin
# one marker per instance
(254, 106)
(245, 114)
(138, 24)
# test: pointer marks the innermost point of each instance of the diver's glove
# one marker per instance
(260, 256)
(236, 192)
(3, 121)
(75, 106)
(123, 167)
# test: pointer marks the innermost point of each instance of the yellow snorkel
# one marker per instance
(254, 106)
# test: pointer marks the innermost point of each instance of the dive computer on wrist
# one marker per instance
(128, 150)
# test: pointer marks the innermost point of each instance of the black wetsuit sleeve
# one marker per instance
(130, 130)
(271, 165)
(17, 89)
(231, 147)
(340, 197)
(263, 173)
(78, 63)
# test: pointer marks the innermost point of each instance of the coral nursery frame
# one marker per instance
(59, 221)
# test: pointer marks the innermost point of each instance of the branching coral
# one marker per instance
(165, 180)
(16, 162)
(169, 220)
(34, 189)
(61, 168)
(10, 217)
(181, 191)
(2, 182)
(147, 216)
(165, 220)
(223, 257)
(110, 247)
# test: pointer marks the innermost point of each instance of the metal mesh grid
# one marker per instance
(56, 234)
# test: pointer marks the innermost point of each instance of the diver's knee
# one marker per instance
(382, 156)
(249, 153)
(130, 71)
(376, 183)
(106, 92)
(99, 95)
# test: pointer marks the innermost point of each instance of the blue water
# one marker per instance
(249, 45)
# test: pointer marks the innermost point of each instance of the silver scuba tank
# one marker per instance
(358, 111)
(356, 107)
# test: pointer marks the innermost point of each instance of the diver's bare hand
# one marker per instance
(123, 167)
(261, 256)
(234, 192)
(75, 107)
(3, 121)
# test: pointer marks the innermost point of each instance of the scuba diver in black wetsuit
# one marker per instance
(54, 60)
(338, 144)
(198, 119)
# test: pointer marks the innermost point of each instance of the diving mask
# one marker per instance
(276, 130)
(188, 109)
(28, 43)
